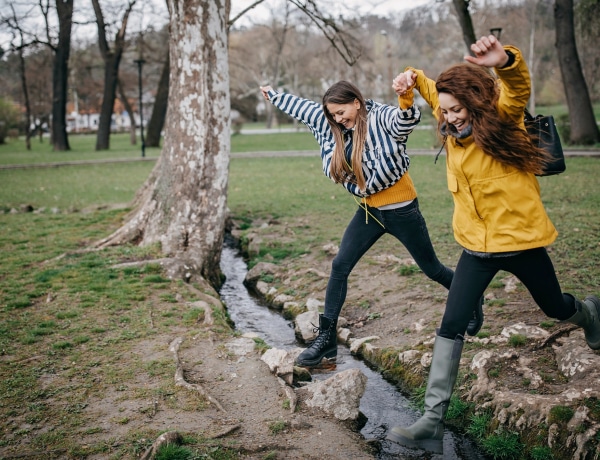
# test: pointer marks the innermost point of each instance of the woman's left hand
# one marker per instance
(404, 82)
(488, 52)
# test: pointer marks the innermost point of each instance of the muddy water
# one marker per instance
(382, 404)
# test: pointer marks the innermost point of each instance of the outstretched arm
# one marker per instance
(489, 52)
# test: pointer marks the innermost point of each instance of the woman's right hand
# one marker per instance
(404, 82)
(265, 91)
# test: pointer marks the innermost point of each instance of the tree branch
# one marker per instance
(243, 12)
(347, 47)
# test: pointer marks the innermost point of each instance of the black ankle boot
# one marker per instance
(477, 320)
(324, 346)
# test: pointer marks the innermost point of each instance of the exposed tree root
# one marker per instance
(170, 437)
(225, 432)
(552, 337)
(180, 380)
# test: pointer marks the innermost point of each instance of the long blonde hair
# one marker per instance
(344, 92)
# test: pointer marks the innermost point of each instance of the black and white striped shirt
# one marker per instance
(384, 158)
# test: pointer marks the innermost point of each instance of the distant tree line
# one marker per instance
(46, 73)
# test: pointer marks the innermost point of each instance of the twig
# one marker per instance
(225, 432)
(555, 335)
(180, 380)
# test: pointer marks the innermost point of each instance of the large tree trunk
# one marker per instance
(581, 115)
(159, 112)
(182, 206)
(60, 76)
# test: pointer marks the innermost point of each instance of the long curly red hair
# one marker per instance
(502, 138)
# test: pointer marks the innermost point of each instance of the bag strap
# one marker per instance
(528, 115)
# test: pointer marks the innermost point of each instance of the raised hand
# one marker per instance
(488, 52)
(404, 82)
(265, 91)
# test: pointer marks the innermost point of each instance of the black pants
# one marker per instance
(473, 275)
(407, 225)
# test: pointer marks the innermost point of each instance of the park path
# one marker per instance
(266, 154)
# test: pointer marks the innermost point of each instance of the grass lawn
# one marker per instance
(64, 322)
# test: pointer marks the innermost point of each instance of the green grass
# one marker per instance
(64, 321)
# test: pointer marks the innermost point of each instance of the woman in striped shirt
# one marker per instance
(363, 148)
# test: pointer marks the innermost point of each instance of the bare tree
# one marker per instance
(60, 74)
(129, 109)
(112, 60)
(584, 129)
(279, 32)
(14, 23)
(159, 111)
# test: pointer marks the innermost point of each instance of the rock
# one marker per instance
(511, 283)
(338, 395)
(409, 356)
(531, 332)
(259, 270)
(355, 344)
(305, 325)
(331, 249)
(314, 304)
(280, 299)
(344, 334)
(576, 361)
(241, 346)
(281, 363)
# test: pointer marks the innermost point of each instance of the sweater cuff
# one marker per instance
(406, 100)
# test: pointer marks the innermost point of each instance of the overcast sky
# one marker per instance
(335, 7)
(154, 12)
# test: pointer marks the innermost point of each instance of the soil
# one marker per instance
(231, 398)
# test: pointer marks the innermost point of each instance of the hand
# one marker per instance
(488, 52)
(265, 91)
(404, 82)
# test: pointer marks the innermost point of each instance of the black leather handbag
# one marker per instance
(544, 134)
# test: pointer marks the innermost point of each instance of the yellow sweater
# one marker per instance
(404, 189)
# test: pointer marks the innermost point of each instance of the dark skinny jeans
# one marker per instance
(407, 225)
(473, 274)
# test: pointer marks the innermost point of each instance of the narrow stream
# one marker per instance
(382, 404)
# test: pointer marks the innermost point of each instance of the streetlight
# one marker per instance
(140, 62)
(496, 31)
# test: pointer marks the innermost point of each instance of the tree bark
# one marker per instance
(466, 24)
(159, 111)
(584, 129)
(182, 206)
(112, 60)
(125, 101)
(25, 100)
(60, 76)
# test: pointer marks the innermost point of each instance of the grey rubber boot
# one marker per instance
(427, 433)
(477, 320)
(324, 346)
(588, 317)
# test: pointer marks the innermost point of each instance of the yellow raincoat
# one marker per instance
(497, 208)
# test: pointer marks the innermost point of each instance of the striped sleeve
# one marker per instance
(311, 114)
(308, 112)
